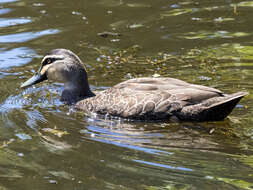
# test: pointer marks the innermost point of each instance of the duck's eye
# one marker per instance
(49, 61)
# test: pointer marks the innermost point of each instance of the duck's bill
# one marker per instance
(34, 80)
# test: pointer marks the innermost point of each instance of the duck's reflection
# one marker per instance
(218, 136)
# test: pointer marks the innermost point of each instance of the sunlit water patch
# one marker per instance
(163, 165)
(7, 1)
(26, 36)
(6, 22)
(15, 57)
(245, 4)
(4, 11)
(207, 35)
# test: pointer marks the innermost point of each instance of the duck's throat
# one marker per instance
(73, 94)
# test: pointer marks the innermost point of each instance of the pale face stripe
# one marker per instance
(45, 68)
(52, 57)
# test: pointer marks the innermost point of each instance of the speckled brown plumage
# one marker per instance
(141, 98)
(161, 98)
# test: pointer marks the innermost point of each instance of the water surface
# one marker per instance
(45, 144)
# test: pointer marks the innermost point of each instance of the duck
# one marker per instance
(134, 99)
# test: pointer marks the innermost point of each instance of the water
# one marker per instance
(45, 144)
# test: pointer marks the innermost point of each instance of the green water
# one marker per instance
(45, 144)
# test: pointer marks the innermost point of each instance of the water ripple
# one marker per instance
(4, 11)
(7, 1)
(15, 57)
(128, 139)
(34, 97)
(5, 22)
(133, 147)
(26, 36)
(163, 165)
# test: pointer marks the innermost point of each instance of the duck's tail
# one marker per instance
(213, 109)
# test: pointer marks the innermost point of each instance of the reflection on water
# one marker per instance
(13, 21)
(25, 36)
(45, 144)
(15, 57)
(4, 11)
(7, 1)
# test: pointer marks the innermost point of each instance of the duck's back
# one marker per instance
(151, 99)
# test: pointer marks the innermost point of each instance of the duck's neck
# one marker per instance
(76, 91)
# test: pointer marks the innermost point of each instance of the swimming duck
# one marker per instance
(139, 98)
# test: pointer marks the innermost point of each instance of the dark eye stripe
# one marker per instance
(48, 61)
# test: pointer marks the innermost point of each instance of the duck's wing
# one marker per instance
(182, 90)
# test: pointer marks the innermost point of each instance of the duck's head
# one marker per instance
(61, 65)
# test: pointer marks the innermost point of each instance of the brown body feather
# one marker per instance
(161, 98)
